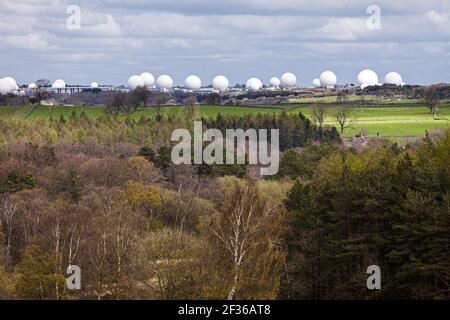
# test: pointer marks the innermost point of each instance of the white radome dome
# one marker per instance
(12, 83)
(393, 78)
(288, 80)
(275, 82)
(368, 77)
(94, 85)
(254, 84)
(4, 86)
(328, 79)
(220, 83)
(164, 82)
(32, 86)
(316, 83)
(135, 82)
(193, 82)
(59, 84)
(149, 79)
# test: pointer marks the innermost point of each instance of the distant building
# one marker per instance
(48, 103)
(69, 89)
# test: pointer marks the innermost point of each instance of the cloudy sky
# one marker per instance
(237, 38)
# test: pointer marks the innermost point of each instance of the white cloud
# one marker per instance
(110, 28)
(437, 17)
(29, 41)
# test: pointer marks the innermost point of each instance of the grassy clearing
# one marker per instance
(383, 113)
(211, 111)
(380, 100)
(330, 99)
(397, 128)
(14, 111)
(388, 121)
(55, 112)
(364, 113)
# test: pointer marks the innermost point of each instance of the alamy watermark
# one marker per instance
(374, 280)
(73, 22)
(374, 20)
(73, 280)
(236, 147)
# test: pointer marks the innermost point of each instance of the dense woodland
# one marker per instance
(102, 194)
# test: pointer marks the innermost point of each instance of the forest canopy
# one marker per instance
(103, 194)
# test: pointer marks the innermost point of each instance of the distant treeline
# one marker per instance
(296, 130)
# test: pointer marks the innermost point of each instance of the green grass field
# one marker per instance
(330, 99)
(388, 121)
(14, 111)
(379, 100)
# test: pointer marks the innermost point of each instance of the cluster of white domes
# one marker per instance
(146, 79)
(193, 82)
(367, 78)
(253, 84)
(8, 85)
(288, 80)
(165, 82)
(327, 79)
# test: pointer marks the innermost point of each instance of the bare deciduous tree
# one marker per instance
(42, 93)
(119, 103)
(140, 97)
(8, 210)
(318, 114)
(432, 99)
(345, 117)
(191, 110)
(159, 101)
